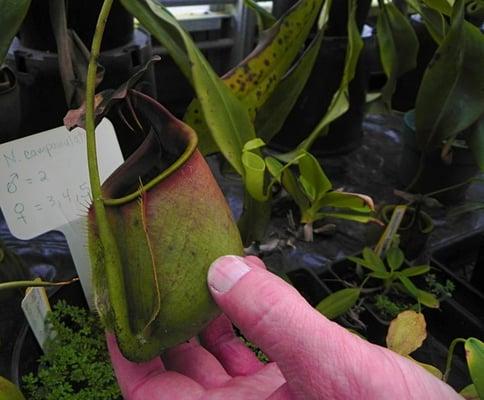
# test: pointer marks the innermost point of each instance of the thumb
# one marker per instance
(318, 358)
(272, 315)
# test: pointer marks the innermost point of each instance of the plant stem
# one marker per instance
(457, 185)
(450, 354)
(34, 283)
(111, 257)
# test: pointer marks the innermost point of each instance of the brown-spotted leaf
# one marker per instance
(407, 332)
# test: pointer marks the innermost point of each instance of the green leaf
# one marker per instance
(361, 218)
(434, 21)
(353, 201)
(414, 271)
(340, 103)
(380, 274)
(442, 6)
(407, 283)
(254, 167)
(427, 299)
(339, 302)
(11, 16)
(469, 393)
(450, 96)
(313, 178)
(227, 118)
(476, 142)
(362, 262)
(372, 258)
(289, 182)
(395, 258)
(398, 45)
(264, 18)
(256, 77)
(274, 112)
(475, 362)
(406, 332)
(253, 144)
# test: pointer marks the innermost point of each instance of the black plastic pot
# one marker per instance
(345, 133)
(436, 174)
(27, 351)
(41, 88)
(414, 230)
(10, 115)
(463, 261)
(36, 30)
(434, 349)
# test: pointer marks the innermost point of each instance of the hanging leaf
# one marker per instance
(228, 120)
(450, 96)
(361, 218)
(12, 14)
(406, 332)
(353, 201)
(256, 77)
(340, 101)
(475, 362)
(339, 302)
(398, 45)
(264, 18)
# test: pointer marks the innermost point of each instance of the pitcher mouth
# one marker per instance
(168, 145)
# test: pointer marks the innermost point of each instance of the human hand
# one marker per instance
(312, 357)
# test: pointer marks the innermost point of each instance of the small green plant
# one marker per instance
(389, 271)
(441, 290)
(394, 280)
(311, 189)
(76, 364)
(389, 308)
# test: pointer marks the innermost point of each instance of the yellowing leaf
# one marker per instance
(407, 332)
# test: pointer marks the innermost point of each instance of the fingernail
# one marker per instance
(225, 272)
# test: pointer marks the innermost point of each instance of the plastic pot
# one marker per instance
(9, 105)
(36, 29)
(345, 133)
(41, 90)
(436, 174)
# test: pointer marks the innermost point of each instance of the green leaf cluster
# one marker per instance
(310, 188)
(390, 271)
(76, 364)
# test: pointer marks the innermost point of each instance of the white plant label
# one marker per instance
(44, 186)
(36, 306)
